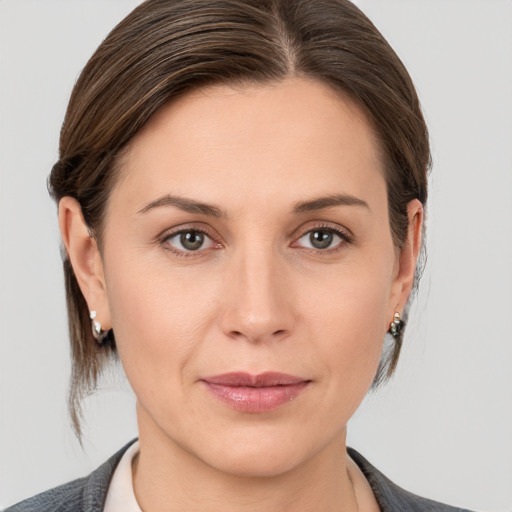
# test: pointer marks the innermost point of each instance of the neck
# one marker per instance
(169, 478)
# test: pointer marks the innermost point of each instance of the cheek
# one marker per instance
(353, 298)
(159, 319)
(348, 318)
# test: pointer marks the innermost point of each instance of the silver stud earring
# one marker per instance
(396, 326)
(98, 333)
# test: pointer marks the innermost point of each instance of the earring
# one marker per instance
(396, 326)
(98, 333)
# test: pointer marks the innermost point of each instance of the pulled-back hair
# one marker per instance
(165, 48)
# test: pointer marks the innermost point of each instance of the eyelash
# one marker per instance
(183, 253)
(345, 237)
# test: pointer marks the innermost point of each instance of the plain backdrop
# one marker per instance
(443, 426)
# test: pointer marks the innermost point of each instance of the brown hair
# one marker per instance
(165, 48)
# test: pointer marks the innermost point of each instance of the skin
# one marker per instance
(256, 296)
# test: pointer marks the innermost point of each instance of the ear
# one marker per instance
(85, 258)
(407, 258)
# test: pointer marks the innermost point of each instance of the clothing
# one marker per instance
(89, 494)
(121, 496)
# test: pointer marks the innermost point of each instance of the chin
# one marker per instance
(256, 463)
(264, 454)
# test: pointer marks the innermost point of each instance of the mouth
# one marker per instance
(255, 393)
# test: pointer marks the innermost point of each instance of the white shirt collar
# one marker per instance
(120, 497)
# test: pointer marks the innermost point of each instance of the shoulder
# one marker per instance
(84, 494)
(391, 497)
(67, 497)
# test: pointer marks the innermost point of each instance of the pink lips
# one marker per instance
(255, 393)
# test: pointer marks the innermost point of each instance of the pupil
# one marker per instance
(321, 239)
(192, 240)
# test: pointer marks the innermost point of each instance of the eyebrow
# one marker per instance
(193, 206)
(187, 205)
(328, 202)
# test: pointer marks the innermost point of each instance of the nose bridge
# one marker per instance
(257, 307)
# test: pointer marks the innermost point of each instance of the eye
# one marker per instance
(323, 238)
(189, 240)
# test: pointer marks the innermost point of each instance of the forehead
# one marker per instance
(253, 138)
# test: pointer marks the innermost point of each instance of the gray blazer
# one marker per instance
(89, 494)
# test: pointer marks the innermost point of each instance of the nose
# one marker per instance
(258, 299)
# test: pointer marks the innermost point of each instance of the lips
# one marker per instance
(255, 393)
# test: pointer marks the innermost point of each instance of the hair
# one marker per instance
(165, 48)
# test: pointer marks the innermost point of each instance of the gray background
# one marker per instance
(443, 426)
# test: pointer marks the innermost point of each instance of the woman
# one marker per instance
(241, 191)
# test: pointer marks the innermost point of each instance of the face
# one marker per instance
(249, 272)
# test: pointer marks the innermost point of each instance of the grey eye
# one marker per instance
(321, 238)
(189, 240)
(192, 240)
